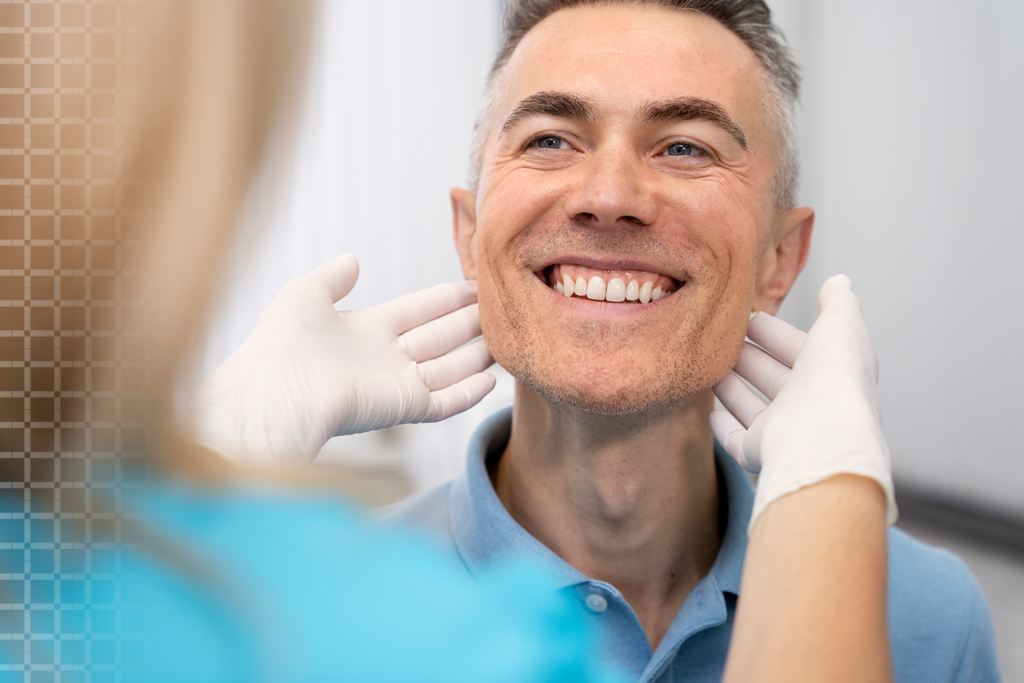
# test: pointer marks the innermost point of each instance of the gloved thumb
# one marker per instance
(841, 324)
(339, 276)
(836, 289)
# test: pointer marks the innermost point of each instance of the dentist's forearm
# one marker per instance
(812, 603)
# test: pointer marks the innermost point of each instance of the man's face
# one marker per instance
(630, 145)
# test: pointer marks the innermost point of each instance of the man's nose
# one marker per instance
(613, 191)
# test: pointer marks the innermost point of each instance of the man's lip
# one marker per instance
(608, 263)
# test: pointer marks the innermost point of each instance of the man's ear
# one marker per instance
(786, 259)
(464, 224)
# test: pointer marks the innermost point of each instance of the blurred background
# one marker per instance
(907, 121)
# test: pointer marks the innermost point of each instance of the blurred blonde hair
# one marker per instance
(228, 75)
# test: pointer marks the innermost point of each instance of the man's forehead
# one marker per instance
(622, 58)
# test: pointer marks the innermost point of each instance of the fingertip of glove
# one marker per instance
(479, 385)
(835, 289)
(345, 266)
(462, 290)
(460, 285)
(724, 425)
(469, 286)
(841, 281)
(348, 260)
(338, 276)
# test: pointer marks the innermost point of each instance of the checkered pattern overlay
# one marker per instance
(72, 377)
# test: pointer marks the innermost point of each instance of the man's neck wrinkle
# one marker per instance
(637, 507)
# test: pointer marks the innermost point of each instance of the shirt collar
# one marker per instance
(484, 532)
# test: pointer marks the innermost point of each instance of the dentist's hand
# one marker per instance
(308, 372)
(824, 417)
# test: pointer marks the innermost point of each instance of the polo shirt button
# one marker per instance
(596, 603)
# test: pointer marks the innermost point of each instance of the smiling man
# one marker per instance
(632, 203)
(623, 227)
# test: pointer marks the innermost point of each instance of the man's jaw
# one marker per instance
(617, 285)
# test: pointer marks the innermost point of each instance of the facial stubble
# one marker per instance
(585, 367)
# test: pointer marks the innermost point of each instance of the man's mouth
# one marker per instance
(625, 286)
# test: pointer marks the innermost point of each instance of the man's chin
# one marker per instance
(626, 396)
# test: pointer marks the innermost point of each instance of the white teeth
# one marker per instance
(645, 292)
(633, 290)
(616, 290)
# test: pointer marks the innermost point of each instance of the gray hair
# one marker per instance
(749, 20)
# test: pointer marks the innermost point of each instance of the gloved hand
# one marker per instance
(308, 372)
(824, 417)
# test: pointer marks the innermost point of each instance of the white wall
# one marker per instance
(911, 113)
(909, 126)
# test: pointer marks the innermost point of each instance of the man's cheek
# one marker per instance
(486, 275)
(495, 321)
(499, 332)
(724, 346)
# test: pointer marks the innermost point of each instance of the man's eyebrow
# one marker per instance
(558, 104)
(690, 108)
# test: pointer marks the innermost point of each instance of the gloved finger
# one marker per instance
(836, 288)
(739, 399)
(338, 275)
(841, 323)
(455, 366)
(459, 397)
(412, 310)
(730, 433)
(837, 300)
(440, 336)
(837, 292)
(766, 373)
(777, 337)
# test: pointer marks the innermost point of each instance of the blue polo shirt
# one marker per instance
(939, 623)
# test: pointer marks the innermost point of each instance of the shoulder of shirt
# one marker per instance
(428, 512)
(940, 627)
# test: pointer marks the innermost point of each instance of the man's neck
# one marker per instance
(630, 500)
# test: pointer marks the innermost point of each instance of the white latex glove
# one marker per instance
(824, 417)
(308, 372)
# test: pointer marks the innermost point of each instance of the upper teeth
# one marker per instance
(616, 289)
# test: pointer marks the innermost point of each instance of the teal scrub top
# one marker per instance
(264, 585)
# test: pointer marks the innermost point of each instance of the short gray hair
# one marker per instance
(749, 20)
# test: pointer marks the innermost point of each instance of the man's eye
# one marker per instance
(550, 142)
(681, 149)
